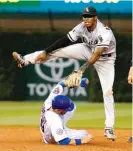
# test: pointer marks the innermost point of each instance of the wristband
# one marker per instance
(84, 82)
(62, 83)
(78, 141)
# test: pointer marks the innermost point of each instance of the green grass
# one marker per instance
(87, 115)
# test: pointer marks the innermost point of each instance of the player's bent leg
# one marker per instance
(27, 59)
(109, 109)
(32, 57)
(19, 59)
(78, 134)
(81, 50)
(130, 139)
(110, 115)
(109, 133)
(105, 71)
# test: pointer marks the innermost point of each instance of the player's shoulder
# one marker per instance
(102, 28)
(51, 115)
(80, 27)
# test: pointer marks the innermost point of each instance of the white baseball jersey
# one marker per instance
(101, 36)
(53, 126)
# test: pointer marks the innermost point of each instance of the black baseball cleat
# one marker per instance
(19, 59)
(109, 133)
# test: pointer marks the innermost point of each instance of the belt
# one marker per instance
(106, 55)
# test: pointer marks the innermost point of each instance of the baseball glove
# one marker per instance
(74, 79)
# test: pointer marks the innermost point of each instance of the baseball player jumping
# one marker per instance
(56, 111)
(98, 48)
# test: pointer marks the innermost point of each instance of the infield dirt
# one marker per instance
(21, 138)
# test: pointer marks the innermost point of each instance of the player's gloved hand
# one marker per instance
(83, 84)
(74, 79)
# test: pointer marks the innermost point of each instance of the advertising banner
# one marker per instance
(10, 3)
(42, 6)
(41, 78)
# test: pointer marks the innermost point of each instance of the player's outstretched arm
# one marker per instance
(62, 42)
(95, 56)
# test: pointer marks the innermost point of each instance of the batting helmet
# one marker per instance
(89, 11)
(62, 102)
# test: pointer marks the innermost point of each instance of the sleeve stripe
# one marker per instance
(65, 141)
(103, 45)
(78, 141)
(70, 37)
(62, 83)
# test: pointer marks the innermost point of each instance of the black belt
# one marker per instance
(106, 55)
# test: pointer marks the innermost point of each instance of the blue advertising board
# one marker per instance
(42, 6)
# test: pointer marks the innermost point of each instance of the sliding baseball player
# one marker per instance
(56, 111)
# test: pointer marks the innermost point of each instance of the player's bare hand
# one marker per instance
(87, 139)
(74, 79)
(41, 57)
(130, 76)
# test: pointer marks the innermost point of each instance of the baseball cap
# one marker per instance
(62, 102)
(89, 12)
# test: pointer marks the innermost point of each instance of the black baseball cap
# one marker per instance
(89, 12)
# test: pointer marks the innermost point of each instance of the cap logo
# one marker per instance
(87, 9)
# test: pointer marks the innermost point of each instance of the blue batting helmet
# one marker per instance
(62, 102)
